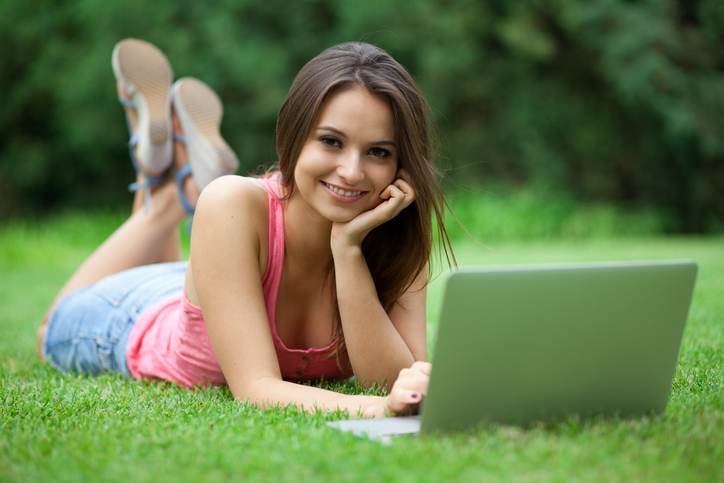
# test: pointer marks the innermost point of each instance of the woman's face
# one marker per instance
(349, 157)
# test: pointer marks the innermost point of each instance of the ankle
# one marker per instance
(165, 204)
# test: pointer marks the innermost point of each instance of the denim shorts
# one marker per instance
(88, 330)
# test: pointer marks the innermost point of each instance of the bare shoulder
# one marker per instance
(230, 193)
(231, 216)
(234, 202)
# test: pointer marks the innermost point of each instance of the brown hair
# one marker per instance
(397, 251)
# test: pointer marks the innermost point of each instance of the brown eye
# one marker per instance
(330, 141)
(380, 153)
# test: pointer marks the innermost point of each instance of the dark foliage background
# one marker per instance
(610, 100)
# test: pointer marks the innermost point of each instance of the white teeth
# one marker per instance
(342, 192)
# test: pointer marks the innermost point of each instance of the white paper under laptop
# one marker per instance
(379, 429)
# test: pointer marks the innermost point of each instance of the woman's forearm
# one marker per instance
(376, 349)
(271, 392)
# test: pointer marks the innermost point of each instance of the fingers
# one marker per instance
(402, 187)
(395, 197)
(422, 366)
(410, 388)
(386, 193)
(413, 380)
(400, 192)
(393, 202)
(408, 193)
(404, 182)
(396, 192)
(413, 397)
(403, 402)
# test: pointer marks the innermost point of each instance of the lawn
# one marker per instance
(59, 428)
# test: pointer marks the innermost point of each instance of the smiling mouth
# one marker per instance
(347, 195)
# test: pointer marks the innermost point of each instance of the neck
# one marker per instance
(307, 237)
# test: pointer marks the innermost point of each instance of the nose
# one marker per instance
(350, 169)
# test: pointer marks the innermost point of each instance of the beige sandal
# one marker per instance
(199, 111)
(145, 76)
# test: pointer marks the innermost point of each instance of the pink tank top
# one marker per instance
(169, 341)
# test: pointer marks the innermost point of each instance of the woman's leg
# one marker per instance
(146, 237)
(172, 250)
(140, 240)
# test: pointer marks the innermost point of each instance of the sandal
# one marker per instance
(199, 111)
(145, 76)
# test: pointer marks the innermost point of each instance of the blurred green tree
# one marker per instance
(606, 99)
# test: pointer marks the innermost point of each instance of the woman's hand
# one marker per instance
(408, 390)
(395, 198)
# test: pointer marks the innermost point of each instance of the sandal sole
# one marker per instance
(145, 71)
(199, 111)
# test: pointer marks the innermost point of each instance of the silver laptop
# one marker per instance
(520, 344)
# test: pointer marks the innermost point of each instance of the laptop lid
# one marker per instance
(522, 344)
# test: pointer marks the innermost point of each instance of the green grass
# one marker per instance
(57, 427)
(502, 213)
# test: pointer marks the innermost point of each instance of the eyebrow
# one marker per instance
(337, 131)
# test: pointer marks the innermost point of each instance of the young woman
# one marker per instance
(317, 269)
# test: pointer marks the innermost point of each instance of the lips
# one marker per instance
(343, 194)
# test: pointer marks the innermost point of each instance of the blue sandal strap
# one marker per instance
(181, 175)
(180, 138)
(145, 184)
(148, 181)
(132, 142)
(127, 102)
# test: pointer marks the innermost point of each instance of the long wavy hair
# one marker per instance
(396, 252)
